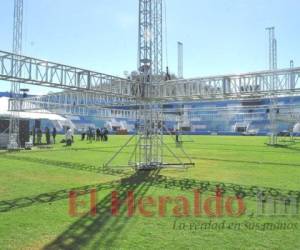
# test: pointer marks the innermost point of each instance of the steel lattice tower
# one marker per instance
(158, 39)
(149, 146)
(14, 142)
(149, 121)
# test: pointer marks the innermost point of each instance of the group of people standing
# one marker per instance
(95, 135)
(37, 135)
(100, 134)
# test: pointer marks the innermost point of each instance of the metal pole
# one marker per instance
(273, 110)
(180, 59)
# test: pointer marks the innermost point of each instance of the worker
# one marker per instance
(54, 134)
(83, 133)
(33, 136)
(105, 134)
(69, 137)
(98, 134)
(39, 136)
(177, 136)
(47, 133)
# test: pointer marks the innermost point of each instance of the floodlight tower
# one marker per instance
(272, 48)
(14, 142)
(180, 59)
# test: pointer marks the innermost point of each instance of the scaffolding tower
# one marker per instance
(149, 130)
(14, 128)
(149, 146)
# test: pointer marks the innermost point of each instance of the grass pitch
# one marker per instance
(34, 202)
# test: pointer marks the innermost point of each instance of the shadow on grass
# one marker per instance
(69, 165)
(91, 168)
(231, 188)
(155, 180)
(72, 148)
(241, 149)
(289, 147)
(85, 230)
(166, 182)
(8, 205)
(250, 162)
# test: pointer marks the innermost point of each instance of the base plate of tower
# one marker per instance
(148, 166)
(160, 165)
(13, 143)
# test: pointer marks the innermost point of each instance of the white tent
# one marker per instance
(113, 123)
(37, 115)
(58, 121)
(296, 128)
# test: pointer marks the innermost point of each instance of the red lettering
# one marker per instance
(182, 208)
(162, 204)
(143, 202)
(241, 206)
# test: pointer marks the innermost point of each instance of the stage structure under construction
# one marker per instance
(148, 151)
(149, 146)
(144, 97)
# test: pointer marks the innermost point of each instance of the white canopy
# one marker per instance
(42, 114)
(296, 128)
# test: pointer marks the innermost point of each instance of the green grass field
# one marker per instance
(34, 203)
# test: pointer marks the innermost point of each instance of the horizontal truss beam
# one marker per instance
(287, 112)
(54, 75)
(249, 85)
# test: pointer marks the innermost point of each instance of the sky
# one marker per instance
(219, 36)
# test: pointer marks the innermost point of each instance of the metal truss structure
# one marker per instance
(13, 141)
(69, 104)
(92, 93)
(55, 75)
(287, 113)
(78, 99)
(49, 74)
(102, 113)
(148, 152)
(75, 103)
(157, 39)
(248, 85)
